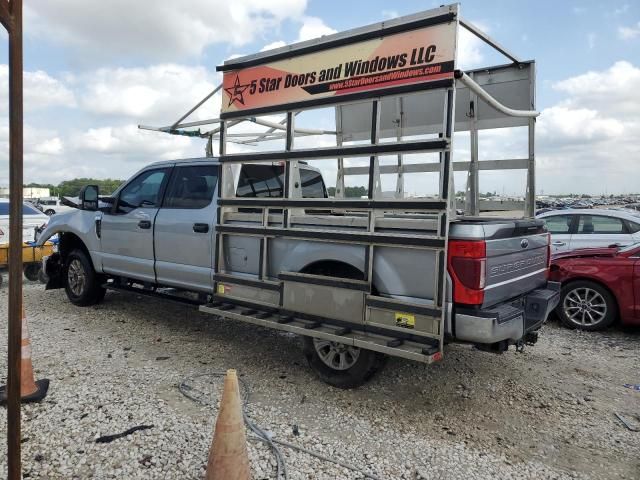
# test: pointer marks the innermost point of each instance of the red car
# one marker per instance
(598, 286)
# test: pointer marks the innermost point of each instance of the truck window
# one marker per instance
(268, 181)
(191, 187)
(261, 181)
(142, 191)
(312, 184)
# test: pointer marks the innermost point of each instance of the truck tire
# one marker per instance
(587, 306)
(49, 212)
(31, 271)
(81, 282)
(341, 365)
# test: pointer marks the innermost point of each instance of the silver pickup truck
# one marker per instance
(159, 230)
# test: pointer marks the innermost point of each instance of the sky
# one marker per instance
(94, 70)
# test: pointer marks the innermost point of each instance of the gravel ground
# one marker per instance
(544, 413)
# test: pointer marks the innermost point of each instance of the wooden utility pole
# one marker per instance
(11, 19)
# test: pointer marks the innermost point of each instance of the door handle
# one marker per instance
(558, 243)
(201, 227)
(146, 224)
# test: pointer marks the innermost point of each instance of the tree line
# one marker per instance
(71, 188)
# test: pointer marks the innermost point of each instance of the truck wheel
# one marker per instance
(81, 282)
(49, 212)
(31, 271)
(587, 306)
(341, 365)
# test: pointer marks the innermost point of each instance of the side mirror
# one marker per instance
(89, 197)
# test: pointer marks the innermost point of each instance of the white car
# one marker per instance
(52, 205)
(31, 219)
(573, 229)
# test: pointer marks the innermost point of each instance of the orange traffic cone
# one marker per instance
(228, 458)
(30, 389)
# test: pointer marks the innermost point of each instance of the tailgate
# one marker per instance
(517, 256)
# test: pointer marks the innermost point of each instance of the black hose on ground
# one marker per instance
(261, 435)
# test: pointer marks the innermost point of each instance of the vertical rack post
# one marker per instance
(339, 140)
(399, 133)
(374, 182)
(445, 194)
(472, 196)
(530, 199)
(218, 260)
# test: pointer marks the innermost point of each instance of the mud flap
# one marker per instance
(53, 268)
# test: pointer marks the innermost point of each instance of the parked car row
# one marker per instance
(32, 220)
(596, 257)
(574, 229)
(51, 205)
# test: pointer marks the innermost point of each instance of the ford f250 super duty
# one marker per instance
(159, 230)
(255, 235)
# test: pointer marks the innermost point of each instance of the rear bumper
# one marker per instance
(508, 322)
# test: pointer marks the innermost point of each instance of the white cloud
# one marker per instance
(43, 148)
(40, 91)
(156, 94)
(629, 33)
(559, 124)
(612, 90)
(128, 140)
(273, 45)
(313, 27)
(470, 48)
(161, 29)
(590, 137)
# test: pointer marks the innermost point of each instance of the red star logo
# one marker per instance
(235, 92)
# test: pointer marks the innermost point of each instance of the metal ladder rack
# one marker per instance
(228, 283)
(266, 297)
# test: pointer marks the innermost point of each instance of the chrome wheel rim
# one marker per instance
(585, 307)
(77, 277)
(337, 356)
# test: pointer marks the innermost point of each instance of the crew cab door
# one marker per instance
(127, 230)
(184, 229)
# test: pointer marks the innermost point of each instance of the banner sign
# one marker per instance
(408, 58)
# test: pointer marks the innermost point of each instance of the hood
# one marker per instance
(587, 252)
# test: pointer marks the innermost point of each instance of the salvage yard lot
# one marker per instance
(544, 413)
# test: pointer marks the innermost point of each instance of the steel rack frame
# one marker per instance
(270, 300)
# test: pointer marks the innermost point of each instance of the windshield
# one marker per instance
(26, 209)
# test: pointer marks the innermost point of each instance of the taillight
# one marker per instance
(467, 267)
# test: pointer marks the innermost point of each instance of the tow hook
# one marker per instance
(530, 338)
